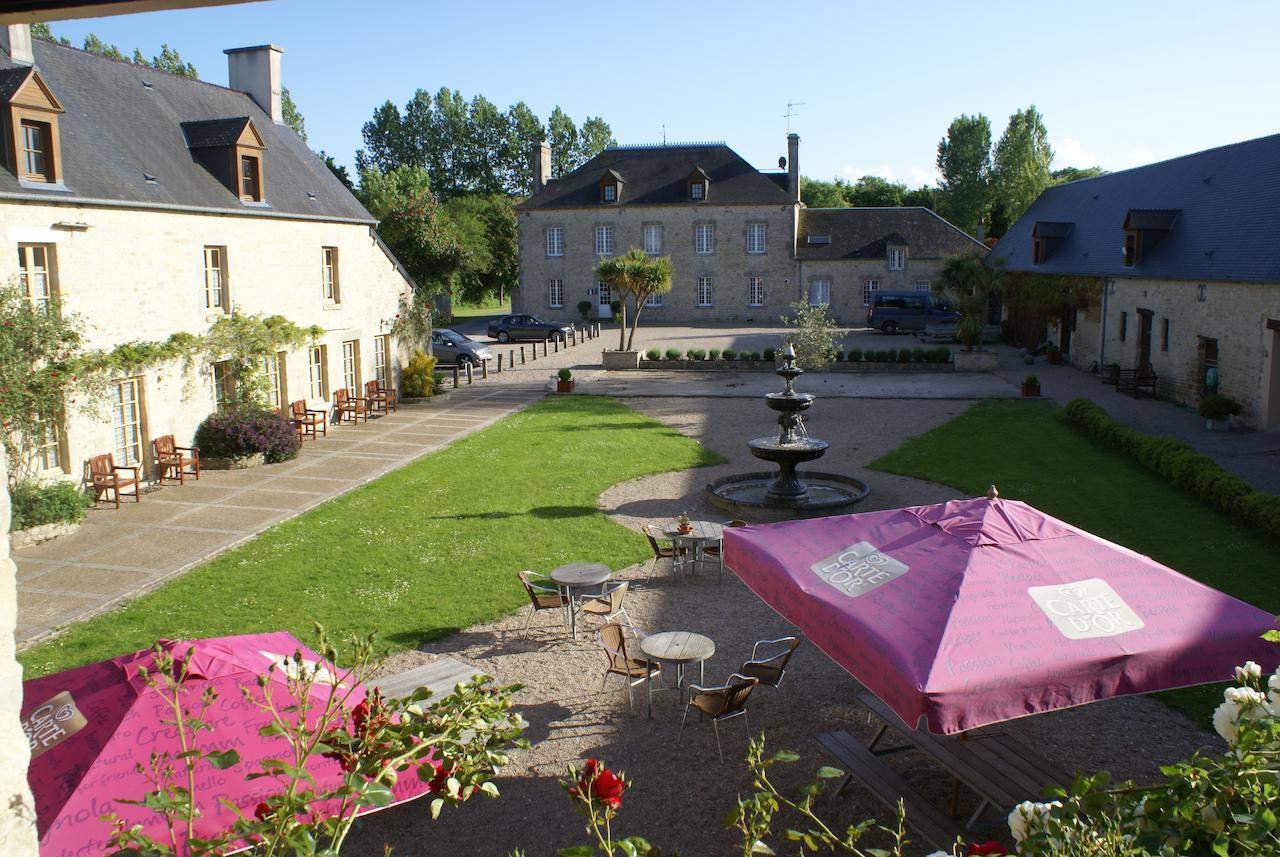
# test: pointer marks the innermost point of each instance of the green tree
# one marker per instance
(293, 116)
(95, 45)
(563, 137)
(41, 30)
(418, 231)
(523, 129)
(1071, 174)
(337, 169)
(815, 193)
(964, 160)
(384, 141)
(814, 335)
(484, 144)
(636, 275)
(171, 61)
(593, 138)
(379, 191)
(1020, 167)
(922, 196)
(969, 282)
(874, 192)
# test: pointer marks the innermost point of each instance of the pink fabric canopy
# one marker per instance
(976, 611)
(88, 727)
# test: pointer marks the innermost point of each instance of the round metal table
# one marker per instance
(701, 533)
(579, 576)
(679, 648)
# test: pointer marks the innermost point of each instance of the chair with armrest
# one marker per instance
(608, 604)
(717, 550)
(172, 460)
(613, 639)
(104, 476)
(722, 702)
(675, 553)
(769, 668)
(345, 403)
(542, 596)
(309, 421)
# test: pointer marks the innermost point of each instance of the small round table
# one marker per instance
(578, 575)
(701, 533)
(679, 648)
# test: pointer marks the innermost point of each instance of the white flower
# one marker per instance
(1226, 719)
(1273, 684)
(1250, 670)
(1029, 817)
(1245, 697)
(938, 854)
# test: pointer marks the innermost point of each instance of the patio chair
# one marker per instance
(391, 393)
(660, 552)
(608, 604)
(722, 702)
(613, 639)
(104, 476)
(769, 669)
(541, 596)
(377, 398)
(172, 460)
(345, 403)
(308, 421)
(716, 550)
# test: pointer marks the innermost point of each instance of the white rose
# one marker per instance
(1273, 685)
(1245, 697)
(938, 854)
(1226, 718)
(1029, 817)
(1250, 670)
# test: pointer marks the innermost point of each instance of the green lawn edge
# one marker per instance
(419, 553)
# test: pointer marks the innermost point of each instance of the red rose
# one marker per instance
(440, 782)
(608, 787)
(261, 811)
(360, 714)
(988, 847)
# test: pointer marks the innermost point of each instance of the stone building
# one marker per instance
(147, 203)
(742, 245)
(1188, 259)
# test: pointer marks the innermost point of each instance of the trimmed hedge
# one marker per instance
(729, 354)
(674, 354)
(1189, 470)
(653, 354)
(59, 502)
(770, 354)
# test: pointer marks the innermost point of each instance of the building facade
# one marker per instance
(147, 204)
(742, 246)
(1185, 255)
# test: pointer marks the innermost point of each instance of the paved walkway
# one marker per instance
(117, 555)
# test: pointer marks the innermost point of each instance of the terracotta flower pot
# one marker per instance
(685, 529)
(564, 386)
(1030, 390)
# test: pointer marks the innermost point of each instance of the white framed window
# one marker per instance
(329, 274)
(868, 287)
(381, 358)
(704, 291)
(922, 286)
(653, 239)
(653, 300)
(755, 291)
(555, 294)
(35, 275)
(697, 190)
(274, 368)
(555, 240)
(318, 371)
(223, 384)
(604, 240)
(820, 292)
(603, 296)
(49, 448)
(704, 238)
(609, 192)
(897, 258)
(126, 421)
(756, 233)
(351, 366)
(217, 296)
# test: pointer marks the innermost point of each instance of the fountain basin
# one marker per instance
(796, 451)
(748, 494)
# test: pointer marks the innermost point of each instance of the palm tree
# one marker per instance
(970, 282)
(640, 276)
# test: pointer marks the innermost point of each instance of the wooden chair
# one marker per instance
(377, 398)
(716, 551)
(660, 552)
(345, 403)
(172, 461)
(608, 604)
(391, 393)
(104, 475)
(308, 421)
(632, 670)
(541, 596)
(723, 702)
(770, 668)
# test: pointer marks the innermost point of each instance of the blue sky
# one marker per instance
(1119, 83)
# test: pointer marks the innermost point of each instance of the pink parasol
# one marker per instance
(976, 611)
(89, 726)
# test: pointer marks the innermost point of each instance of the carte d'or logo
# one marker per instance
(858, 569)
(52, 722)
(1086, 609)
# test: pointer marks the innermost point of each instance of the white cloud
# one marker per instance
(1070, 153)
(851, 173)
(920, 177)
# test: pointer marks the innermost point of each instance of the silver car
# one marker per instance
(452, 347)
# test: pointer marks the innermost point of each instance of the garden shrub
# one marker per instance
(714, 353)
(730, 354)
(917, 355)
(891, 356)
(904, 355)
(697, 354)
(1218, 407)
(755, 355)
(673, 354)
(248, 431)
(58, 502)
(653, 354)
(1181, 465)
(415, 379)
(770, 354)
(839, 356)
(855, 355)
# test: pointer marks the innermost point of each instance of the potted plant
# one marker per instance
(1110, 373)
(1054, 354)
(1030, 387)
(584, 309)
(683, 525)
(1217, 411)
(564, 381)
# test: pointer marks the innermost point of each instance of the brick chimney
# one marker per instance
(540, 158)
(793, 166)
(256, 72)
(16, 41)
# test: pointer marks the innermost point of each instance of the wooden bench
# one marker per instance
(885, 783)
(1135, 382)
(440, 676)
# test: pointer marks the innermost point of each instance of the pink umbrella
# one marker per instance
(88, 726)
(976, 611)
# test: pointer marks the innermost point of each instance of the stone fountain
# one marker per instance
(788, 493)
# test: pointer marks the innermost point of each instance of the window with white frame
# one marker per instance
(381, 358)
(217, 296)
(274, 368)
(49, 448)
(609, 192)
(922, 286)
(555, 294)
(820, 292)
(35, 275)
(604, 240)
(897, 258)
(755, 291)
(351, 366)
(868, 287)
(704, 238)
(555, 240)
(223, 384)
(653, 300)
(126, 421)
(755, 238)
(329, 274)
(653, 239)
(697, 190)
(704, 291)
(318, 371)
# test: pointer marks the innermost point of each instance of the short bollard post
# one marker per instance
(557, 341)
(573, 335)
(544, 348)
(484, 369)
(468, 373)
(499, 363)
(522, 361)
(455, 376)
(511, 359)
(533, 352)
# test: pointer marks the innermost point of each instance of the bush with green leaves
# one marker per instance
(696, 354)
(855, 355)
(416, 378)
(904, 355)
(673, 354)
(33, 504)
(771, 355)
(814, 335)
(248, 431)
(729, 354)
(917, 355)
(1218, 407)
(653, 354)
(564, 375)
(713, 354)
(755, 355)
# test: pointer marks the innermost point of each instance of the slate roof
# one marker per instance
(116, 131)
(659, 175)
(214, 132)
(11, 79)
(866, 233)
(1227, 224)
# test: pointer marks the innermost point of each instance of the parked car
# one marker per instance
(449, 346)
(894, 311)
(511, 327)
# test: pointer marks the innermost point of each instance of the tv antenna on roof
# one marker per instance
(791, 111)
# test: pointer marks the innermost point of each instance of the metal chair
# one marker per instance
(770, 669)
(717, 550)
(722, 702)
(541, 597)
(613, 639)
(673, 552)
(608, 604)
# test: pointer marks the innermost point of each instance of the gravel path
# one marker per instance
(681, 791)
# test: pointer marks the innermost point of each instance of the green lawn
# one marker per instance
(421, 552)
(1031, 453)
(487, 307)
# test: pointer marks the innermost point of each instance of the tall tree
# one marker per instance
(486, 226)
(593, 138)
(636, 275)
(1020, 167)
(484, 140)
(293, 116)
(384, 140)
(1071, 174)
(523, 128)
(563, 137)
(337, 169)
(923, 196)
(95, 45)
(874, 192)
(964, 160)
(379, 191)
(815, 193)
(171, 61)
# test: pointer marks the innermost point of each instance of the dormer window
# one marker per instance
(250, 179)
(1045, 238)
(31, 119)
(610, 186)
(697, 190)
(609, 193)
(897, 258)
(233, 152)
(1132, 247)
(1144, 229)
(36, 157)
(698, 184)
